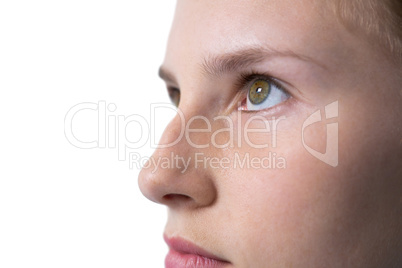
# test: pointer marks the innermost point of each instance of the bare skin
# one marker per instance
(308, 214)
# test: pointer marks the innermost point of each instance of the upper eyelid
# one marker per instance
(246, 80)
(171, 85)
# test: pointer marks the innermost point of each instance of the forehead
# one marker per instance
(209, 27)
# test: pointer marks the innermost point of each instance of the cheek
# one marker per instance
(287, 215)
(277, 212)
(276, 208)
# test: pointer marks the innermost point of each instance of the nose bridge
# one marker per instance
(185, 135)
(171, 176)
(173, 133)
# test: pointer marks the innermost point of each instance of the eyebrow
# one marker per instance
(218, 65)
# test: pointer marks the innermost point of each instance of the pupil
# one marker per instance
(259, 90)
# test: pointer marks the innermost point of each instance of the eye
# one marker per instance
(174, 95)
(263, 94)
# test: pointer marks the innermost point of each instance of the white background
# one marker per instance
(61, 206)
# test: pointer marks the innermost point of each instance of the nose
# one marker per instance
(172, 177)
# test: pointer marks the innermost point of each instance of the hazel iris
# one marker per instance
(259, 91)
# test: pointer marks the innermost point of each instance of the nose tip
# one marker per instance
(170, 176)
(146, 183)
(172, 187)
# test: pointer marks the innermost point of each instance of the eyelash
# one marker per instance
(245, 79)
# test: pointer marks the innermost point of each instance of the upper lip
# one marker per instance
(186, 247)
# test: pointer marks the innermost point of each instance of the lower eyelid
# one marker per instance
(284, 108)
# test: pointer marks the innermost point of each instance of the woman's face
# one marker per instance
(257, 178)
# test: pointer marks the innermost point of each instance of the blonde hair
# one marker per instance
(380, 20)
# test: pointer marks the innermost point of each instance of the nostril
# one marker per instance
(173, 198)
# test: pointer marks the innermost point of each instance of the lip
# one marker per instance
(184, 254)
